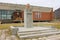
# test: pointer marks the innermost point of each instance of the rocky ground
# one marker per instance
(4, 35)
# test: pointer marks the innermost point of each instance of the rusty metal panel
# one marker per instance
(42, 16)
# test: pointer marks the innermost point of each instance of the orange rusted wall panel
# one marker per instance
(45, 16)
(22, 15)
(52, 14)
(40, 15)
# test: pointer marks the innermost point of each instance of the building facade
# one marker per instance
(39, 13)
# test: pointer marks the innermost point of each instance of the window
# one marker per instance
(8, 16)
(9, 13)
(5, 14)
(0, 15)
(37, 15)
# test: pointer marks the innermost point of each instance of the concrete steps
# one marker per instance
(38, 32)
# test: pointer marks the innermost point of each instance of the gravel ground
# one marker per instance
(4, 35)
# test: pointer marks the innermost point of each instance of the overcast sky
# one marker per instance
(46, 3)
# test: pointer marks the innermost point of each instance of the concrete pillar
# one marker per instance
(28, 21)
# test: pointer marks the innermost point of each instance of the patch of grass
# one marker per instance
(55, 24)
(5, 26)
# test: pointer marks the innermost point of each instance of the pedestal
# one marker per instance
(28, 21)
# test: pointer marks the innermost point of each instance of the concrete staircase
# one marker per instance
(36, 32)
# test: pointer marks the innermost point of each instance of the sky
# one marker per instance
(55, 4)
